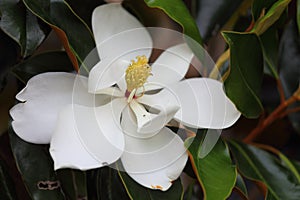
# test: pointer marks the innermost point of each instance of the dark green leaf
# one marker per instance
(270, 47)
(46, 62)
(246, 72)
(212, 15)
(109, 185)
(84, 9)
(260, 165)
(37, 169)
(76, 36)
(179, 13)
(289, 61)
(73, 183)
(21, 25)
(266, 20)
(215, 172)
(241, 186)
(137, 191)
(293, 166)
(7, 190)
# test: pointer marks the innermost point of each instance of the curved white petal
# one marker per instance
(99, 130)
(165, 98)
(204, 104)
(116, 32)
(66, 148)
(202, 101)
(105, 74)
(44, 96)
(156, 122)
(171, 66)
(156, 161)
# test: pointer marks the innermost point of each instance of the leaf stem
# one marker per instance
(279, 112)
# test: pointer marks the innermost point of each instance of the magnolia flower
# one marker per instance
(120, 111)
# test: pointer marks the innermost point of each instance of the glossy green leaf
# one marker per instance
(212, 15)
(241, 186)
(7, 189)
(73, 183)
(270, 17)
(215, 172)
(37, 169)
(292, 165)
(21, 25)
(246, 72)
(84, 9)
(270, 46)
(289, 60)
(179, 13)
(137, 191)
(55, 61)
(259, 165)
(74, 33)
(109, 185)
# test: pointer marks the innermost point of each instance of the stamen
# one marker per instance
(137, 73)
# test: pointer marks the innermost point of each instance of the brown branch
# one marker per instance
(289, 111)
(277, 113)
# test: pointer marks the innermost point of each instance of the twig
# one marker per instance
(277, 113)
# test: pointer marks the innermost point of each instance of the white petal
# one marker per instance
(66, 148)
(105, 74)
(156, 122)
(204, 104)
(155, 162)
(100, 131)
(165, 98)
(45, 95)
(116, 32)
(202, 101)
(171, 66)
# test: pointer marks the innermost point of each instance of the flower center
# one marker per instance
(136, 76)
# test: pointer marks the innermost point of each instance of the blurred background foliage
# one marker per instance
(256, 47)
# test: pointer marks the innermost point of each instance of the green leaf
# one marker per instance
(215, 172)
(22, 26)
(259, 165)
(55, 61)
(137, 191)
(84, 9)
(292, 165)
(270, 46)
(246, 72)
(106, 184)
(73, 183)
(241, 186)
(273, 14)
(179, 13)
(212, 15)
(36, 167)
(7, 189)
(289, 60)
(74, 33)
